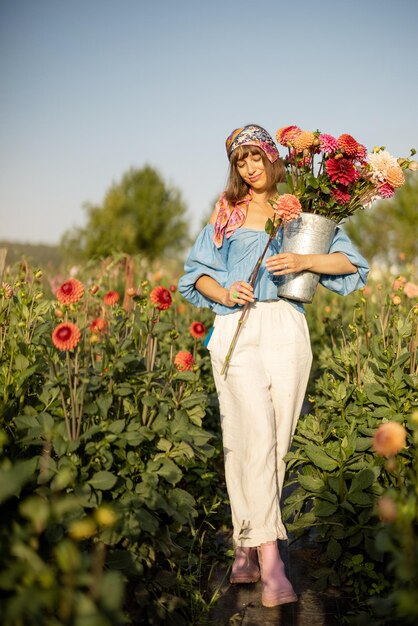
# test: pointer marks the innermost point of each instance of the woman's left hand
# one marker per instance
(287, 263)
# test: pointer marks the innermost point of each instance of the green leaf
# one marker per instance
(334, 549)
(269, 226)
(320, 458)
(170, 471)
(364, 479)
(324, 509)
(103, 480)
(283, 188)
(161, 328)
(117, 427)
(310, 483)
(104, 402)
(361, 498)
(13, 478)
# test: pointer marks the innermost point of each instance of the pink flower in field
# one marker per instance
(287, 207)
(411, 290)
(328, 144)
(386, 191)
(389, 439)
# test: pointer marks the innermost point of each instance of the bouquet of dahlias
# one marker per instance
(334, 177)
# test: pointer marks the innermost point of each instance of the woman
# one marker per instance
(262, 392)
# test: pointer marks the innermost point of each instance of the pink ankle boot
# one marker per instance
(277, 589)
(245, 567)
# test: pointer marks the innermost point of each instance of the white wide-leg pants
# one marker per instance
(260, 399)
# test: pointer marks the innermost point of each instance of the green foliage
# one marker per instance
(387, 230)
(368, 375)
(105, 464)
(140, 214)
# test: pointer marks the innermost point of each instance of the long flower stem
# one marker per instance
(251, 280)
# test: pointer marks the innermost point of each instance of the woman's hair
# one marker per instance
(236, 188)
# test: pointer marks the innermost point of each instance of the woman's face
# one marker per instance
(252, 171)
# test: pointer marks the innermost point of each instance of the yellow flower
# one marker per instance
(82, 529)
(105, 516)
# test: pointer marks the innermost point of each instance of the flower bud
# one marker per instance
(386, 509)
(396, 300)
(389, 439)
(58, 313)
(131, 292)
(94, 339)
(413, 166)
(94, 289)
(173, 288)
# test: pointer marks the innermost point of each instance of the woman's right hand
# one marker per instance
(240, 293)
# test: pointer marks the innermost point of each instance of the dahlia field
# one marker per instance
(113, 508)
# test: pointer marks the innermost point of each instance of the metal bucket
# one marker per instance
(309, 234)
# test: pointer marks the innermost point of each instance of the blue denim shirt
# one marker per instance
(236, 258)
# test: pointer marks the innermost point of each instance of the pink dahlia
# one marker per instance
(361, 153)
(328, 144)
(386, 191)
(341, 171)
(161, 298)
(287, 207)
(183, 360)
(287, 134)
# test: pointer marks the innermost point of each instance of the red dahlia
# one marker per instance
(340, 195)
(197, 330)
(111, 298)
(183, 360)
(161, 298)
(341, 171)
(97, 325)
(72, 290)
(66, 336)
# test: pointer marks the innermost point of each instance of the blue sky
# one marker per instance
(91, 88)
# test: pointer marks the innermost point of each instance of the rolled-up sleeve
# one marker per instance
(204, 260)
(344, 284)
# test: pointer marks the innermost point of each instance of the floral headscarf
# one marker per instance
(229, 218)
(252, 135)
